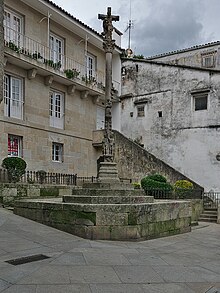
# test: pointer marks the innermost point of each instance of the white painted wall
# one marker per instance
(187, 140)
(116, 77)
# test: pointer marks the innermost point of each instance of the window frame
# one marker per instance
(57, 147)
(56, 109)
(91, 66)
(13, 96)
(56, 55)
(12, 32)
(19, 146)
(208, 59)
(141, 113)
(198, 104)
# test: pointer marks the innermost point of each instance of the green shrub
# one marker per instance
(157, 177)
(156, 185)
(183, 188)
(136, 185)
(183, 184)
(16, 168)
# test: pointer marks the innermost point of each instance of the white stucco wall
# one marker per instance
(186, 139)
(116, 77)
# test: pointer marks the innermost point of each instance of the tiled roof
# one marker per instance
(163, 63)
(196, 47)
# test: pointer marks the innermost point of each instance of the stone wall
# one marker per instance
(135, 162)
(9, 192)
(196, 209)
(112, 221)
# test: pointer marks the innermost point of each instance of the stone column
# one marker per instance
(108, 169)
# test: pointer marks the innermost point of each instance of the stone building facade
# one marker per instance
(1, 48)
(54, 78)
(173, 111)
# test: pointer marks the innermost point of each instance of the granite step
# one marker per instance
(107, 192)
(208, 219)
(209, 215)
(84, 199)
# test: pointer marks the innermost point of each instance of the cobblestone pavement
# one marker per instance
(187, 263)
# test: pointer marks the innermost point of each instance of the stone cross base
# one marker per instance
(108, 172)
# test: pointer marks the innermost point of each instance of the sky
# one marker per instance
(159, 26)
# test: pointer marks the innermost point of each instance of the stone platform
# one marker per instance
(109, 214)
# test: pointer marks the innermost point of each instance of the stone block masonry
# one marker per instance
(135, 162)
(117, 215)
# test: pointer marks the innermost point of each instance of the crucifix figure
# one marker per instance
(108, 45)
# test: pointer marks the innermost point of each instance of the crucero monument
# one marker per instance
(108, 169)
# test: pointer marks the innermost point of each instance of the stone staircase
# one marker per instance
(109, 211)
(209, 215)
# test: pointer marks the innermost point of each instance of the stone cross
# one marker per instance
(108, 45)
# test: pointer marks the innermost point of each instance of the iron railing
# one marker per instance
(42, 177)
(180, 193)
(211, 200)
(77, 68)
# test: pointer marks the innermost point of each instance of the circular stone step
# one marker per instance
(107, 192)
(107, 199)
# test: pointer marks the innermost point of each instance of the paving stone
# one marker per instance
(93, 274)
(74, 288)
(145, 259)
(184, 259)
(105, 258)
(167, 288)
(214, 290)
(186, 274)
(137, 274)
(200, 287)
(47, 275)
(21, 289)
(3, 285)
(14, 274)
(74, 258)
(116, 288)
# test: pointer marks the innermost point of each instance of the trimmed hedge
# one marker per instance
(183, 189)
(156, 185)
(15, 166)
(157, 177)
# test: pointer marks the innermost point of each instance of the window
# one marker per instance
(140, 111)
(13, 97)
(13, 27)
(56, 110)
(57, 152)
(160, 114)
(200, 100)
(14, 146)
(200, 103)
(56, 49)
(208, 60)
(90, 66)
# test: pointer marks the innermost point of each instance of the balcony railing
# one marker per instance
(66, 66)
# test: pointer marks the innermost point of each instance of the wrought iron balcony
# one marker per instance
(53, 60)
